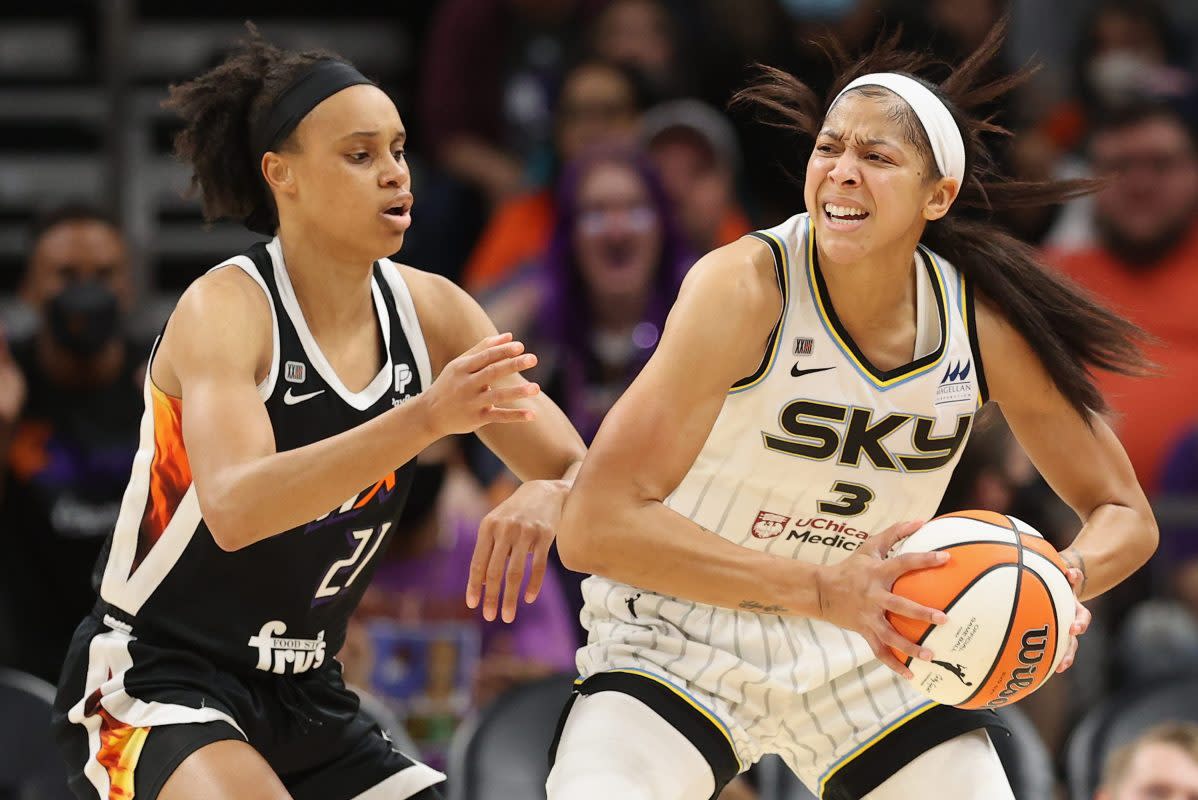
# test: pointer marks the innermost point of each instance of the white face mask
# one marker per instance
(1119, 75)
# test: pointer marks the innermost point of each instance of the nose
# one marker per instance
(394, 171)
(844, 171)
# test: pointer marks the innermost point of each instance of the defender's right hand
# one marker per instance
(476, 388)
(855, 594)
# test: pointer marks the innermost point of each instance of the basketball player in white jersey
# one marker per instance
(305, 371)
(808, 401)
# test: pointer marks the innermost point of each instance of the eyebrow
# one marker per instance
(372, 134)
(832, 133)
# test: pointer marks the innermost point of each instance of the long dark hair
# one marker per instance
(1070, 331)
(565, 318)
(218, 110)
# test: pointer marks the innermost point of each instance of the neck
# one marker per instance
(874, 292)
(64, 368)
(332, 290)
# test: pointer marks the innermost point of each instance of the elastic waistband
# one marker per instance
(117, 619)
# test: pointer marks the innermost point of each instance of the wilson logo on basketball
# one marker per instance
(1031, 652)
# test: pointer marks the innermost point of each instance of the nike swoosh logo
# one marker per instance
(293, 399)
(795, 372)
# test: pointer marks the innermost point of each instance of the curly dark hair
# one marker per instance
(1070, 331)
(219, 109)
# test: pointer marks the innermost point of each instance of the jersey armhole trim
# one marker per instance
(782, 270)
(970, 313)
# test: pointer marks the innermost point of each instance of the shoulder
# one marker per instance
(226, 292)
(1014, 371)
(223, 317)
(451, 320)
(742, 275)
(432, 293)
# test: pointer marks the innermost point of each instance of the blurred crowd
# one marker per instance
(571, 160)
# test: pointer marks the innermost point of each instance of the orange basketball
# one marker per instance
(1009, 607)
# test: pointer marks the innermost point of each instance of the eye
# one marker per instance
(877, 157)
(358, 158)
(399, 154)
(823, 148)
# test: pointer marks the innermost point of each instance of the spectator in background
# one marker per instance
(1128, 49)
(72, 441)
(491, 69)
(613, 269)
(694, 148)
(1145, 265)
(1162, 764)
(594, 308)
(641, 35)
(598, 105)
(425, 654)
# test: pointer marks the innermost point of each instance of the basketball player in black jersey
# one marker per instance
(285, 401)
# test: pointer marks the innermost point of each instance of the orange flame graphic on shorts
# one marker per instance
(120, 748)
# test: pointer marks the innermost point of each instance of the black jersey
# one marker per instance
(280, 605)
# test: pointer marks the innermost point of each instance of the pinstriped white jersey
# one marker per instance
(819, 449)
(814, 452)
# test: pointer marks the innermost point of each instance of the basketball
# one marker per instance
(1009, 607)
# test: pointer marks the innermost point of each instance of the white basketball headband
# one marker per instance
(947, 145)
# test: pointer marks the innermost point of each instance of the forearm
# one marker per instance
(646, 544)
(266, 496)
(1115, 541)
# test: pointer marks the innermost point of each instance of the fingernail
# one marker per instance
(909, 675)
(925, 654)
(940, 618)
(941, 558)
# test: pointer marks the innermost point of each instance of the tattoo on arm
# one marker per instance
(1075, 560)
(761, 608)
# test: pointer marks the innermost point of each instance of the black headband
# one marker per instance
(316, 83)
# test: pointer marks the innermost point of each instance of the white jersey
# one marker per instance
(820, 449)
(809, 456)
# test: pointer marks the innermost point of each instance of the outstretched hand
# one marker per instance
(518, 531)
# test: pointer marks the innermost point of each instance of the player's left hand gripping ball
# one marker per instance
(1080, 622)
(517, 531)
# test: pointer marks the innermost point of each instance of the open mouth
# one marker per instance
(844, 213)
(396, 211)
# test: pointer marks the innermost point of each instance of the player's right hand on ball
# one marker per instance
(481, 386)
(855, 594)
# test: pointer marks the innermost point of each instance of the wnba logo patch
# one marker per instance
(294, 372)
(768, 525)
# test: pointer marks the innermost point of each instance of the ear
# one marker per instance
(276, 169)
(941, 199)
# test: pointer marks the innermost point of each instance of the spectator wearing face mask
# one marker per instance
(70, 424)
(1128, 49)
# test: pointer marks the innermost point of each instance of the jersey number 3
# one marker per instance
(364, 537)
(854, 499)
